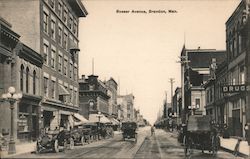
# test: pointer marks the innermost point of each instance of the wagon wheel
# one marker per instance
(135, 138)
(37, 147)
(214, 145)
(187, 146)
(71, 143)
(82, 140)
(56, 146)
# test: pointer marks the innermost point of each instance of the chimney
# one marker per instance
(83, 77)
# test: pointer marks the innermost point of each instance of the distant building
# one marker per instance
(126, 103)
(112, 86)
(93, 97)
(196, 73)
(177, 105)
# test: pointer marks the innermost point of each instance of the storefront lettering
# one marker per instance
(235, 88)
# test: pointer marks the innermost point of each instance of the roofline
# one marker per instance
(236, 10)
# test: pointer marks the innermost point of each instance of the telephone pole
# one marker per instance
(184, 62)
(171, 80)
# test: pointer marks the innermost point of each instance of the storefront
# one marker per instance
(28, 118)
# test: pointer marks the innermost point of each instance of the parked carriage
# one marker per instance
(201, 135)
(129, 130)
(54, 141)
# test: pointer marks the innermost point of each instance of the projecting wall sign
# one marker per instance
(235, 88)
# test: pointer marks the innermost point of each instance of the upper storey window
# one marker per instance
(45, 22)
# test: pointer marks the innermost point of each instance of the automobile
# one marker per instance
(54, 141)
(129, 130)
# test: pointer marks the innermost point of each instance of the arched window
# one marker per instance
(34, 82)
(27, 79)
(21, 77)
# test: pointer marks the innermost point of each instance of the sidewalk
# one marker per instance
(229, 144)
(20, 149)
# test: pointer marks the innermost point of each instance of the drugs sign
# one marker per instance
(235, 88)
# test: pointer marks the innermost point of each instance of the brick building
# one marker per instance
(195, 73)
(50, 28)
(93, 97)
(20, 67)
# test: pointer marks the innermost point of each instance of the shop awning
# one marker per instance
(79, 119)
(114, 121)
(95, 118)
(63, 90)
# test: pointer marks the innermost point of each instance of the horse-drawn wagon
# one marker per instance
(201, 135)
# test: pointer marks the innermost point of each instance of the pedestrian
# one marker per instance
(246, 131)
(152, 131)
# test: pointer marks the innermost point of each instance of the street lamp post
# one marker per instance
(11, 97)
(99, 115)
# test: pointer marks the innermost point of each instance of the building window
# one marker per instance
(65, 15)
(65, 40)
(70, 71)
(45, 87)
(60, 63)
(75, 73)
(53, 93)
(60, 35)
(52, 4)
(45, 51)
(34, 82)
(53, 55)
(74, 27)
(27, 79)
(75, 99)
(60, 9)
(240, 43)
(235, 47)
(65, 97)
(70, 22)
(71, 96)
(45, 22)
(65, 67)
(242, 75)
(53, 26)
(21, 77)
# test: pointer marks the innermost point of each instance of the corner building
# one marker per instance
(50, 27)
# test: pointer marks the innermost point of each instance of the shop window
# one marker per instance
(197, 103)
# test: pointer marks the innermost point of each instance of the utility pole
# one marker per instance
(171, 80)
(184, 61)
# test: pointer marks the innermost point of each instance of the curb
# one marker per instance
(231, 151)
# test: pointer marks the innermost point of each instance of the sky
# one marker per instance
(141, 50)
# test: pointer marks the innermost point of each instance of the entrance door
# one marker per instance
(237, 126)
(47, 117)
